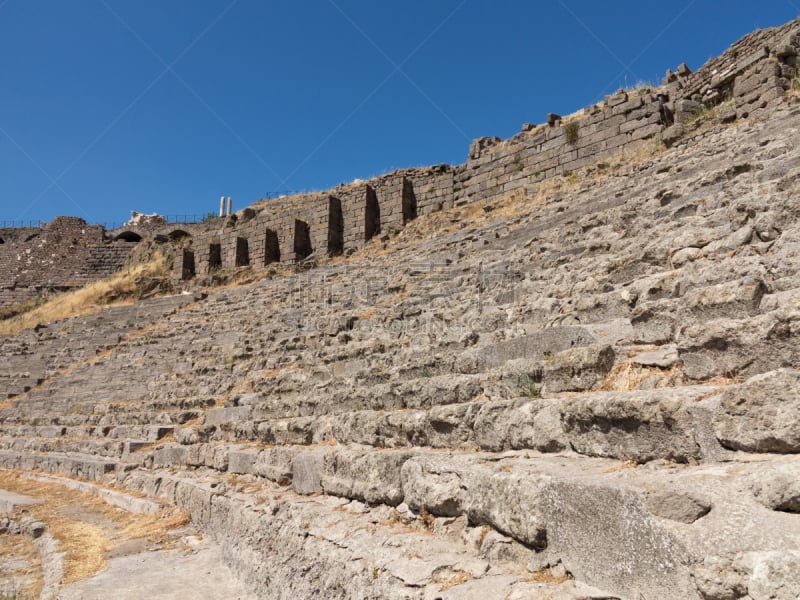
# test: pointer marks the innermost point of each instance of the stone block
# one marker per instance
(761, 415)
(578, 368)
(307, 471)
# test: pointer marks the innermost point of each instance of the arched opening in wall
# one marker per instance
(2, 241)
(214, 256)
(335, 227)
(187, 268)
(129, 236)
(272, 248)
(302, 240)
(242, 252)
(409, 202)
(372, 215)
(32, 237)
(178, 235)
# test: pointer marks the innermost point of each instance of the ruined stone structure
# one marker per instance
(577, 387)
(749, 81)
(63, 254)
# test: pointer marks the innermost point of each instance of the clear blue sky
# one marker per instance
(108, 106)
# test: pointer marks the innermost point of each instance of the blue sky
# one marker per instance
(108, 106)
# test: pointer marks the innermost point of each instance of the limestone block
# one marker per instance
(640, 426)
(577, 369)
(762, 414)
(307, 469)
(484, 494)
(778, 488)
(369, 476)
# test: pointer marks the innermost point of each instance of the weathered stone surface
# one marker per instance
(677, 506)
(577, 369)
(727, 347)
(290, 415)
(639, 427)
(372, 477)
(307, 472)
(663, 358)
(773, 575)
(762, 414)
(607, 536)
(10, 500)
(779, 488)
(483, 494)
(534, 347)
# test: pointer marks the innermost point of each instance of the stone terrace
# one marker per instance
(750, 80)
(588, 392)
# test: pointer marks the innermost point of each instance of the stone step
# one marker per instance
(741, 347)
(349, 545)
(333, 396)
(652, 530)
(150, 433)
(107, 404)
(101, 421)
(78, 465)
(103, 449)
(667, 423)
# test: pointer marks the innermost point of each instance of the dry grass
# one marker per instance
(122, 288)
(21, 582)
(723, 380)
(428, 520)
(367, 314)
(85, 527)
(625, 464)
(626, 376)
(457, 577)
(23, 307)
(546, 575)
(85, 544)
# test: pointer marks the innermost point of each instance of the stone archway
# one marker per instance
(128, 236)
(178, 234)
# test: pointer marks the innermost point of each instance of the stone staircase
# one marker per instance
(104, 260)
(587, 393)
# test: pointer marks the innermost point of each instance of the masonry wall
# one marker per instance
(496, 168)
(750, 79)
(65, 253)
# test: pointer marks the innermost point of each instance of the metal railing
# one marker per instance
(109, 225)
(177, 219)
(276, 195)
(18, 224)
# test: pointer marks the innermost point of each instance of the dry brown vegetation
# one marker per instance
(122, 288)
(85, 527)
(456, 577)
(546, 575)
(20, 568)
(626, 376)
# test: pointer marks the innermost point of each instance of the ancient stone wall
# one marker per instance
(714, 80)
(752, 77)
(64, 253)
(749, 80)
